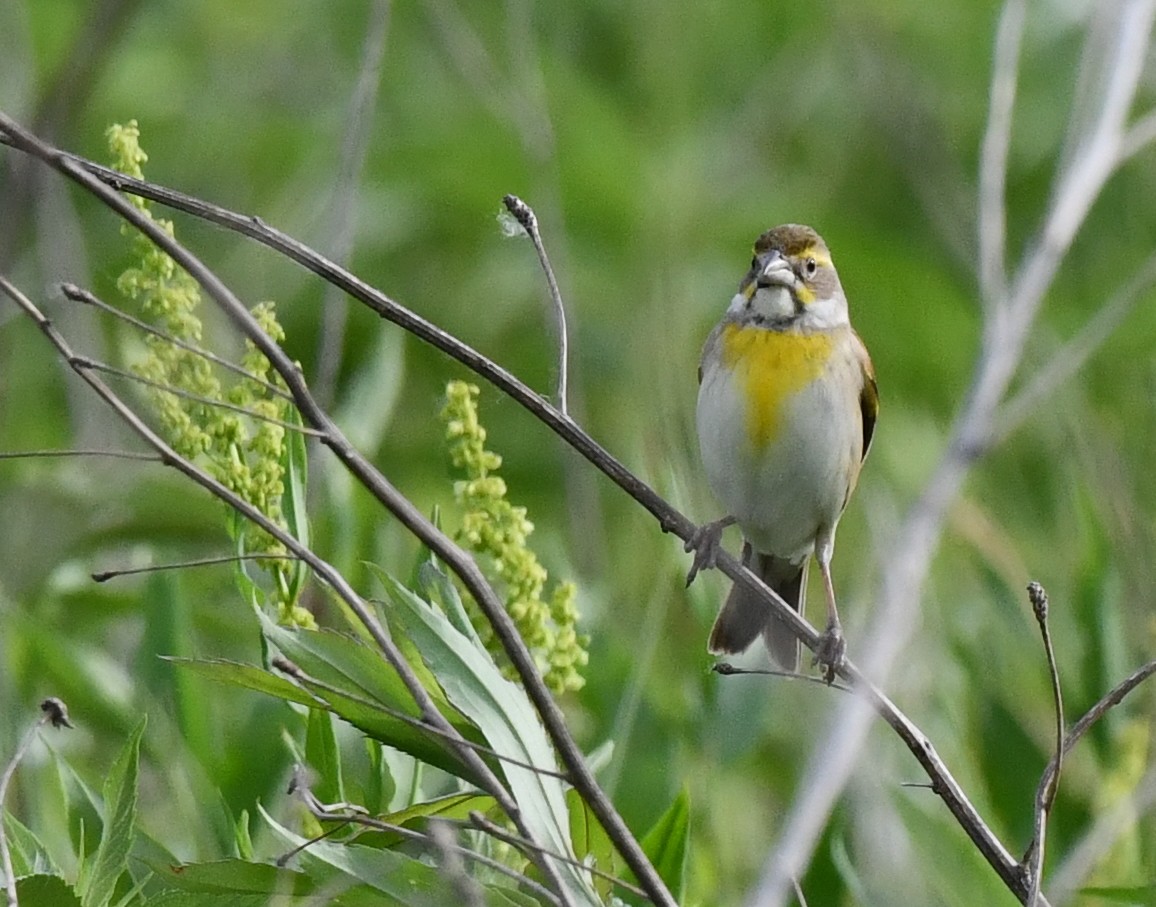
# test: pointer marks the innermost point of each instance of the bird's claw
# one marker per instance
(830, 651)
(705, 542)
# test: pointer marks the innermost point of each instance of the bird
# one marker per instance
(786, 411)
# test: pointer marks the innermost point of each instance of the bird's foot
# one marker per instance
(830, 651)
(705, 542)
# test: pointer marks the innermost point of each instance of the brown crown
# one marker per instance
(790, 240)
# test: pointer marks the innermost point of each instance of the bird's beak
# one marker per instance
(774, 271)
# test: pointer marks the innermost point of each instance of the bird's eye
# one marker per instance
(811, 266)
(755, 263)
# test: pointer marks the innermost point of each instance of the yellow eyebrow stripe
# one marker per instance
(771, 367)
(820, 257)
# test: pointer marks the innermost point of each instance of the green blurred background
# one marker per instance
(655, 141)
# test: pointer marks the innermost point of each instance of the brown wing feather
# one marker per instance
(868, 397)
(708, 348)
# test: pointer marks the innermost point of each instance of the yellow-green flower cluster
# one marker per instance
(496, 529)
(245, 454)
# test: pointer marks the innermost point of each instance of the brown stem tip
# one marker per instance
(56, 712)
(1039, 599)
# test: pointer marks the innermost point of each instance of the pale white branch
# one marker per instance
(994, 154)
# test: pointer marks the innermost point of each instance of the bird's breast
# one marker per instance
(771, 367)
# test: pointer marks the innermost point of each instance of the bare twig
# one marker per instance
(1039, 600)
(1110, 700)
(525, 216)
(726, 669)
(84, 362)
(480, 822)
(103, 576)
(1046, 794)
(54, 712)
(50, 454)
(79, 294)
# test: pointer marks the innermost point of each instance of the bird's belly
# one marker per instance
(787, 483)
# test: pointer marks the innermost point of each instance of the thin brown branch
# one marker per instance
(726, 669)
(79, 294)
(525, 216)
(103, 576)
(480, 822)
(1039, 600)
(1046, 794)
(50, 454)
(1110, 700)
(84, 362)
(1049, 782)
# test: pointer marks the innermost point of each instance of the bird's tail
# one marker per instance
(745, 615)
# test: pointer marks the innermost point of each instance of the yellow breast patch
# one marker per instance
(771, 367)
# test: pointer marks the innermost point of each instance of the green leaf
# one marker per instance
(505, 716)
(437, 587)
(120, 800)
(1123, 894)
(357, 682)
(452, 807)
(408, 881)
(324, 757)
(379, 786)
(293, 501)
(248, 677)
(45, 891)
(667, 843)
(591, 843)
(241, 837)
(236, 876)
(29, 855)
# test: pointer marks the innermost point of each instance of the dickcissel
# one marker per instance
(786, 408)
